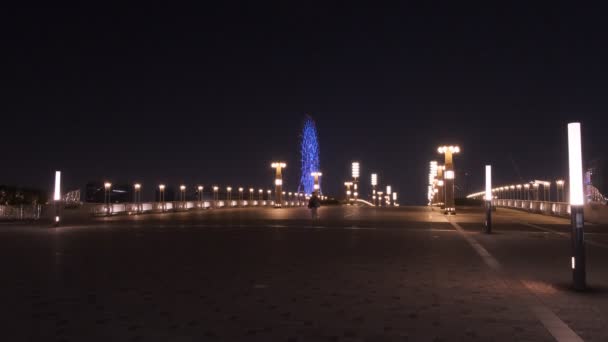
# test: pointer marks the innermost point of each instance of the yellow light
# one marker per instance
(449, 174)
(278, 165)
(161, 187)
(278, 182)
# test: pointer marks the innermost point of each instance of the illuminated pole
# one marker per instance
(269, 196)
(229, 194)
(240, 196)
(356, 168)
(107, 186)
(488, 198)
(536, 196)
(290, 198)
(316, 185)
(251, 195)
(216, 196)
(394, 199)
(380, 198)
(182, 194)
(374, 184)
(57, 197)
(278, 183)
(260, 195)
(348, 192)
(449, 151)
(389, 192)
(200, 195)
(137, 196)
(527, 187)
(440, 185)
(161, 196)
(577, 201)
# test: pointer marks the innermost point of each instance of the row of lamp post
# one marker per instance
(441, 180)
(379, 198)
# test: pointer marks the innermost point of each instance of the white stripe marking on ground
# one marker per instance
(566, 235)
(556, 327)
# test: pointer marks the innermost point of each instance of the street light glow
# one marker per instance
(374, 179)
(137, 186)
(355, 169)
(57, 193)
(575, 160)
(449, 174)
(107, 185)
(488, 182)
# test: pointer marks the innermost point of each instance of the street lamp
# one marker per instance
(316, 186)
(216, 195)
(57, 197)
(394, 199)
(536, 196)
(374, 184)
(137, 196)
(200, 194)
(240, 194)
(278, 183)
(449, 151)
(527, 187)
(161, 196)
(107, 186)
(229, 194)
(577, 201)
(389, 192)
(269, 192)
(260, 195)
(488, 199)
(348, 192)
(547, 189)
(380, 193)
(356, 168)
(182, 191)
(251, 195)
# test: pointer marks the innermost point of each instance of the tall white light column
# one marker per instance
(577, 201)
(488, 199)
(57, 197)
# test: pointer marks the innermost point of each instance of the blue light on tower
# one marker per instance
(310, 155)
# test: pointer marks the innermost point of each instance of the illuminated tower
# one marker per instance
(310, 155)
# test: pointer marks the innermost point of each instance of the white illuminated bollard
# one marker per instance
(57, 198)
(488, 198)
(577, 201)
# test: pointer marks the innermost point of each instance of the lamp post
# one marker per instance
(317, 184)
(57, 198)
(394, 199)
(488, 199)
(269, 196)
(348, 191)
(200, 195)
(251, 195)
(577, 201)
(380, 198)
(107, 186)
(229, 195)
(440, 184)
(527, 187)
(389, 192)
(548, 191)
(278, 183)
(216, 196)
(182, 194)
(560, 190)
(449, 151)
(240, 195)
(519, 193)
(374, 184)
(260, 195)
(161, 196)
(356, 168)
(536, 195)
(137, 196)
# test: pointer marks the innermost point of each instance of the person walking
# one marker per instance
(313, 204)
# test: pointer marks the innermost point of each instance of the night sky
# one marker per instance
(212, 94)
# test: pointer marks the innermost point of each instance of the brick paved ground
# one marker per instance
(359, 274)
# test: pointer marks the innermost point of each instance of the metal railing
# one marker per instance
(160, 207)
(538, 207)
(21, 212)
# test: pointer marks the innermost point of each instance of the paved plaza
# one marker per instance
(357, 274)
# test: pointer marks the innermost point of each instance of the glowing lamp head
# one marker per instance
(250, 189)
(560, 182)
(137, 186)
(316, 174)
(268, 191)
(518, 186)
(200, 188)
(449, 174)
(278, 165)
(394, 196)
(450, 149)
(488, 182)
(215, 188)
(161, 187)
(440, 183)
(355, 169)
(527, 186)
(278, 182)
(107, 185)
(315, 187)
(229, 188)
(575, 163)
(182, 187)
(389, 190)
(260, 191)
(374, 179)
(240, 189)
(57, 192)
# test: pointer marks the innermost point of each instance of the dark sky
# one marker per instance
(211, 94)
